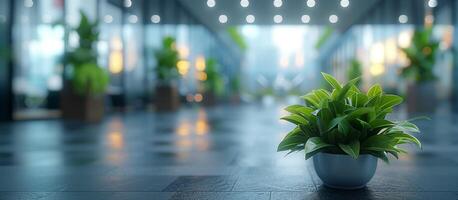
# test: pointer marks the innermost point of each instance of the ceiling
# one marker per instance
(291, 11)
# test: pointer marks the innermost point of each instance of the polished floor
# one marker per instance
(224, 152)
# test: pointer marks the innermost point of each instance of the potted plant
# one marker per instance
(213, 84)
(167, 96)
(83, 93)
(421, 96)
(235, 88)
(345, 131)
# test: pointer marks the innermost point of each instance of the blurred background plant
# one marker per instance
(422, 56)
(167, 59)
(214, 82)
(87, 76)
(354, 71)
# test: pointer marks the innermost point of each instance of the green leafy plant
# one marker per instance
(214, 82)
(167, 59)
(237, 38)
(88, 77)
(422, 56)
(347, 121)
(235, 84)
(327, 33)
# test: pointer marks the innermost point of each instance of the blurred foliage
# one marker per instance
(214, 82)
(87, 77)
(422, 56)
(90, 79)
(355, 71)
(237, 37)
(324, 37)
(167, 59)
(235, 84)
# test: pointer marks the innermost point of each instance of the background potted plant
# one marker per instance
(235, 88)
(345, 131)
(213, 84)
(83, 94)
(167, 95)
(421, 96)
(354, 71)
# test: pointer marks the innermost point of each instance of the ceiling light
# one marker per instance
(133, 19)
(344, 3)
(127, 3)
(244, 3)
(278, 19)
(333, 19)
(403, 19)
(211, 3)
(311, 3)
(155, 19)
(278, 3)
(250, 19)
(222, 19)
(432, 3)
(108, 19)
(305, 19)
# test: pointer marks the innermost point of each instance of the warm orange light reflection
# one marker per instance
(116, 140)
(200, 63)
(391, 50)
(201, 126)
(284, 62)
(184, 128)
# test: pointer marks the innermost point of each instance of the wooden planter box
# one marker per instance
(421, 98)
(167, 98)
(88, 108)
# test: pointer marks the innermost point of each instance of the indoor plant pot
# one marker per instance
(421, 97)
(89, 108)
(343, 172)
(345, 131)
(167, 97)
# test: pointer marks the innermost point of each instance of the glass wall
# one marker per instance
(130, 32)
(377, 42)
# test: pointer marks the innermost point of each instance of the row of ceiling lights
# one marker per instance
(305, 18)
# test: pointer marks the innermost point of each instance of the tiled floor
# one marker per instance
(225, 152)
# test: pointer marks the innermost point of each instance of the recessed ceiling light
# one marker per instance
(155, 19)
(244, 3)
(432, 3)
(133, 19)
(344, 3)
(278, 3)
(305, 19)
(127, 3)
(333, 19)
(222, 19)
(311, 3)
(278, 19)
(403, 19)
(211, 3)
(108, 19)
(250, 19)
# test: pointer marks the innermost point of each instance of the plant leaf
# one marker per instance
(295, 119)
(351, 149)
(375, 90)
(314, 145)
(332, 81)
